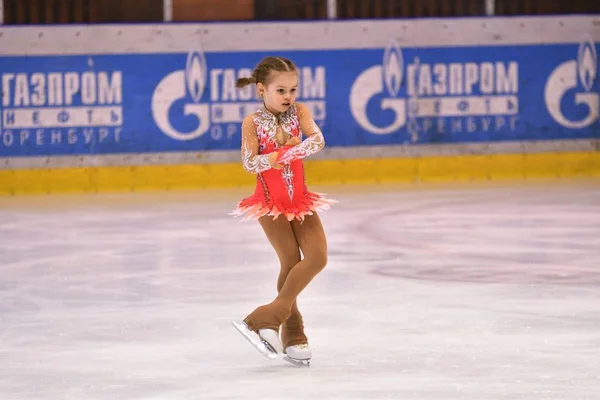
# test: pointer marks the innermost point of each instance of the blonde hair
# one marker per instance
(264, 68)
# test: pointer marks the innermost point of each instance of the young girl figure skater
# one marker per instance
(273, 149)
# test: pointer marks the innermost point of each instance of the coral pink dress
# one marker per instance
(281, 191)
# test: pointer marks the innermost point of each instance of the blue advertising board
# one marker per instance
(101, 104)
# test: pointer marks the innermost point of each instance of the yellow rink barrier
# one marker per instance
(347, 171)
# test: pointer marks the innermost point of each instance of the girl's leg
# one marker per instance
(311, 239)
(280, 234)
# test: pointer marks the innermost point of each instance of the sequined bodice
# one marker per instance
(266, 127)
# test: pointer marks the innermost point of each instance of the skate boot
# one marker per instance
(261, 327)
(295, 343)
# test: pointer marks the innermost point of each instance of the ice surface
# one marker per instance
(448, 292)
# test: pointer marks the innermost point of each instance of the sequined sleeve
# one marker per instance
(313, 143)
(251, 160)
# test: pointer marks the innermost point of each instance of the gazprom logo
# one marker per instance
(44, 108)
(437, 96)
(565, 84)
(183, 85)
(381, 82)
(199, 101)
(587, 62)
(195, 75)
(393, 67)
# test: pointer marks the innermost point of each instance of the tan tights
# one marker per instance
(289, 239)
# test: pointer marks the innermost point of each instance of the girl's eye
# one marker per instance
(280, 90)
(294, 90)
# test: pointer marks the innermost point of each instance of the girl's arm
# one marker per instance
(252, 161)
(313, 143)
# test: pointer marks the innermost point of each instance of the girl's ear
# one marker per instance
(260, 88)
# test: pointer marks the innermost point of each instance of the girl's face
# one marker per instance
(281, 91)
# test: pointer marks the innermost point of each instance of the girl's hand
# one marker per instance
(272, 160)
(294, 140)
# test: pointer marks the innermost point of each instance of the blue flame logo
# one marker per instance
(195, 75)
(393, 67)
(587, 63)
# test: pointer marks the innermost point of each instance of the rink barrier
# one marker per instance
(134, 107)
(461, 168)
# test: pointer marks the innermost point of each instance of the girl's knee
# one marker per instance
(290, 259)
(319, 259)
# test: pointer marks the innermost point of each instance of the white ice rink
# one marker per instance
(434, 293)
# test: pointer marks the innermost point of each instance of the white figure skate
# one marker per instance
(299, 355)
(266, 341)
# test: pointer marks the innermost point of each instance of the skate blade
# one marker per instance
(296, 362)
(261, 345)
